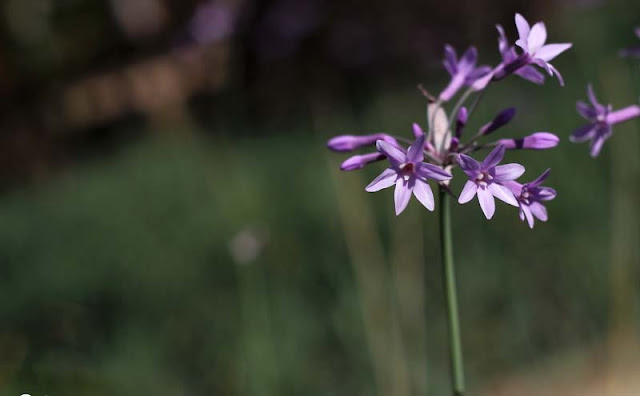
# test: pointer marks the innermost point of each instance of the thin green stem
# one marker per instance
(455, 345)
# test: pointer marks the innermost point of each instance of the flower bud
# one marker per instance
(536, 141)
(346, 143)
(417, 130)
(502, 119)
(461, 120)
(360, 161)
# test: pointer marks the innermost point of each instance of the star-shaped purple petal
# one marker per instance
(532, 41)
(463, 71)
(601, 120)
(409, 175)
(530, 197)
(487, 180)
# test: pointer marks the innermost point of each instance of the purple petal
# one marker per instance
(423, 193)
(545, 193)
(503, 42)
(527, 213)
(457, 82)
(396, 157)
(594, 101)
(538, 181)
(539, 211)
(360, 161)
(583, 133)
(624, 114)
(477, 74)
(530, 73)
(434, 172)
(494, 158)
(596, 145)
(450, 60)
(487, 203)
(557, 74)
(550, 51)
(468, 60)
(417, 130)
(468, 165)
(482, 83)
(468, 192)
(523, 30)
(508, 172)
(509, 55)
(514, 187)
(402, 195)
(586, 111)
(503, 194)
(543, 65)
(537, 38)
(535, 141)
(384, 180)
(415, 155)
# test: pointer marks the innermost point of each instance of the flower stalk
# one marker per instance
(432, 156)
(455, 344)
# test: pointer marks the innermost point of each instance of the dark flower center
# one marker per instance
(406, 168)
(524, 196)
(484, 179)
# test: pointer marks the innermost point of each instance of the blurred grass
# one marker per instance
(117, 277)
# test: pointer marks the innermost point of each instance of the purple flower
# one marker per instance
(601, 119)
(509, 56)
(530, 197)
(346, 143)
(532, 41)
(463, 71)
(632, 51)
(535, 141)
(409, 174)
(487, 179)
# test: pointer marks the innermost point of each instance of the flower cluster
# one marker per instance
(602, 118)
(432, 155)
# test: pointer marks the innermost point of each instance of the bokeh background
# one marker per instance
(171, 222)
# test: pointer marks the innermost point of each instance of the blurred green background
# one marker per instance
(171, 222)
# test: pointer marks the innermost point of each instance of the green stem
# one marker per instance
(455, 345)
